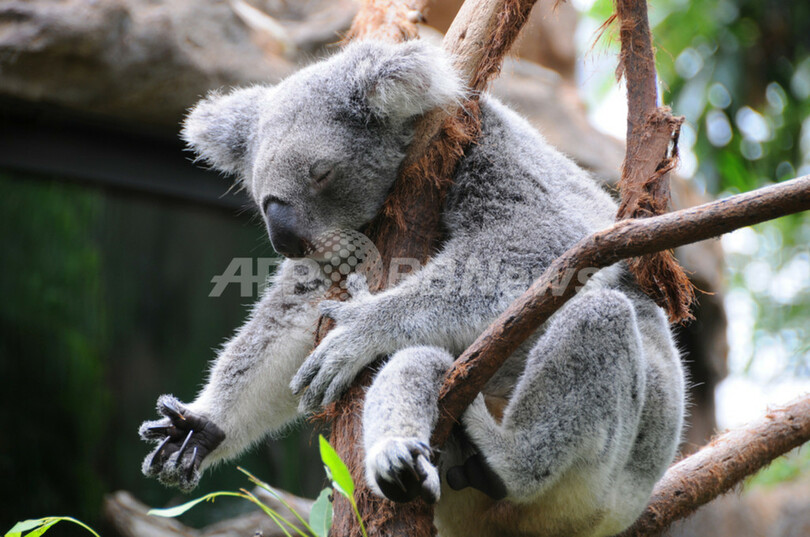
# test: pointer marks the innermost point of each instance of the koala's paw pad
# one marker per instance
(401, 469)
(184, 440)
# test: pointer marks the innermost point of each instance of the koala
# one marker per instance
(571, 434)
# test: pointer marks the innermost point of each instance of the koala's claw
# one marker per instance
(184, 440)
(183, 447)
(155, 457)
(154, 433)
(168, 408)
(401, 469)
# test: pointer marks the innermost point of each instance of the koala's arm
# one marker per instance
(247, 394)
(445, 304)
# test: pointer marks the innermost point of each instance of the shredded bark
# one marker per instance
(511, 18)
(652, 153)
(426, 178)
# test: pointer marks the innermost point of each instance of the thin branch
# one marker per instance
(721, 465)
(624, 239)
(637, 66)
(651, 154)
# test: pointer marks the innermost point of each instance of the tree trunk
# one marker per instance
(408, 226)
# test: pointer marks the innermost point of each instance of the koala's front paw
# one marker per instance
(331, 368)
(401, 469)
(184, 440)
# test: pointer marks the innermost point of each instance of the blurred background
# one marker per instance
(111, 236)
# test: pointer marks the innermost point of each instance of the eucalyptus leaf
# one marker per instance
(25, 525)
(320, 517)
(338, 473)
(180, 509)
(37, 527)
(42, 529)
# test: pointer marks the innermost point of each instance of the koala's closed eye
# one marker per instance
(321, 173)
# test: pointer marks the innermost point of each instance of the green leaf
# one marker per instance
(25, 525)
(42, 529)
(274, 515)
(273, 492)
(37, 527)
(320, 517)
(180, 509)
(338, 473)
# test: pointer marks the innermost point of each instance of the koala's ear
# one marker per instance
(219, 128)
(399, 81)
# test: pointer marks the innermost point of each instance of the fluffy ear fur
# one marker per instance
(399, 81)
(219, 128)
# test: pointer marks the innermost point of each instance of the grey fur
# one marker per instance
(595, 398)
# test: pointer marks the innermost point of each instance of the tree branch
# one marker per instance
(626, 238)
(651, 153)
(723, 463)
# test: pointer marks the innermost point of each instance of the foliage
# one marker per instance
(739, 71)
(36, 527)
(741, 76)
(320, 518)
(340, 476)
(52, 335)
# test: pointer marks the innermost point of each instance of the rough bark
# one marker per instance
(721, 465)
(652, 152)
(137, 60)
(625, 239)
(408, 226)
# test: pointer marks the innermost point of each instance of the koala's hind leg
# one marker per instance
(576, 406)
(399, 414)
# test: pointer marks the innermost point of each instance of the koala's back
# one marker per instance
(518, 203)
(515, 187)
(517, 198)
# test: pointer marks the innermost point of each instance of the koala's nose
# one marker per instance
(282, 226)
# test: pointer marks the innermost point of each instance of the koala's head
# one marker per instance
(320, 150)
